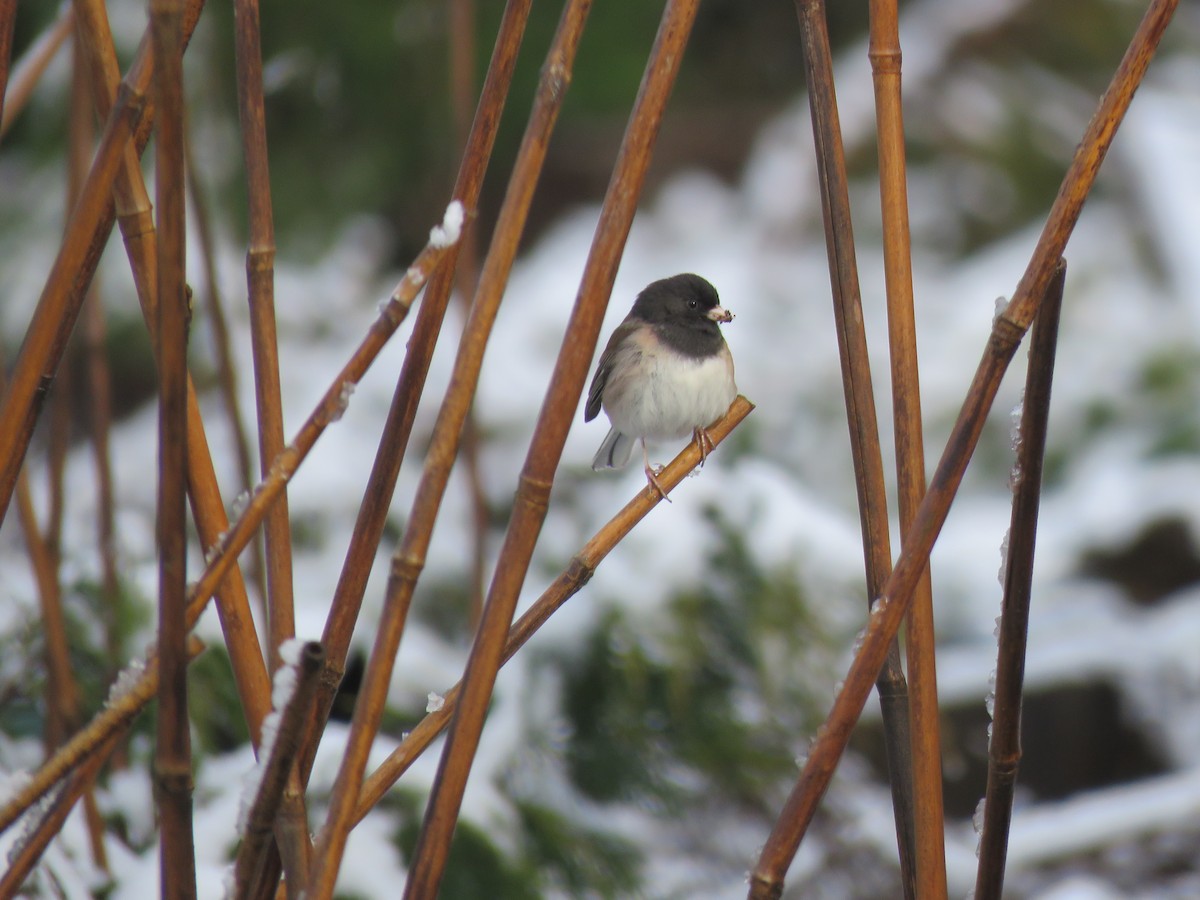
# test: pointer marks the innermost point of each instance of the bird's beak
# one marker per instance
(720, 314)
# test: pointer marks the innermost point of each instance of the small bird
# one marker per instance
(666, 372)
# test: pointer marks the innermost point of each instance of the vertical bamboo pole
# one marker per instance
(860, 407)
(19, 81)
(372, 513)
(226, 370)
(132, 207)
(920, 646)
(1004, 753)
(260, 277)
(8, 19)
(461, 28)
(1007, 331)
(545, 449)
(410, 555)
(172, 758)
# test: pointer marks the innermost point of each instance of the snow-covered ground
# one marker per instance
(785, 485)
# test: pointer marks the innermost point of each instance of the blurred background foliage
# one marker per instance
(667, 717)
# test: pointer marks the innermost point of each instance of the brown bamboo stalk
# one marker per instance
(129, 694)
(58, 439)
(46, 338)
(461, 32)
(25, 856)
(95, 362)
(144, 685)
(226, 370)
(73, 269)
(137, 227)
(372, 514)
(920, 646)
(8, 20)
(23, 78)
(62, 696)
(860, 409)
(1007, 331)
(260, 279)
(545, 450)
(260, 820)
(409, 557)
(580, 570)
(223, 553)
(1004, 751)
(173, 749)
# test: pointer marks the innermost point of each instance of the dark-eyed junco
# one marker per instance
(665, 373)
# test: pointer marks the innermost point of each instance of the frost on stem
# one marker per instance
(239, 505)
(990, 701)
(977, 821)
(282, 688)
(127, 679)
(1002, 575)
(1016, 437)
(214, 549)
(1001, 306)
(448, 232)
(435, 702)
(33, 820)
(343, 401)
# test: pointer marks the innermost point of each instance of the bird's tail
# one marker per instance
(614, 452)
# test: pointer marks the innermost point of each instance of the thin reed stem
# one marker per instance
(1007, 331)
(260, 820)
(260, 279)
(860, 407)
(8, 20)
(49, 328)
(132, 207)
(372, 513)
(227, 379)
(95, 363)
(135, 686)
(920, 645)
(461, 31)
(62, 695)
(545, 449)
(1004, 751)
(173, 749)
(580, 570)
(28, 851)
(23, 78)
(409, 557)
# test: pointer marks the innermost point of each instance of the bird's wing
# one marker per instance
(604, 367)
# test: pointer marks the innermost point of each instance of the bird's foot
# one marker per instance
(652, 473)
(704, 442)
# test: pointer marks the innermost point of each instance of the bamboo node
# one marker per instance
(534, 492)
(579, 571)
(260, 260)
(172, 778)
(407, 568)
(886, 62)
(136, 223)
(764, 887)
(132, 97)
(1006, 332)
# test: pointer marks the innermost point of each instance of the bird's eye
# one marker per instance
(692, 304)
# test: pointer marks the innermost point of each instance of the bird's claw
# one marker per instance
(652, 473)
(704, 442)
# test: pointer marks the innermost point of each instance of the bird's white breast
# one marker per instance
(660, 394)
